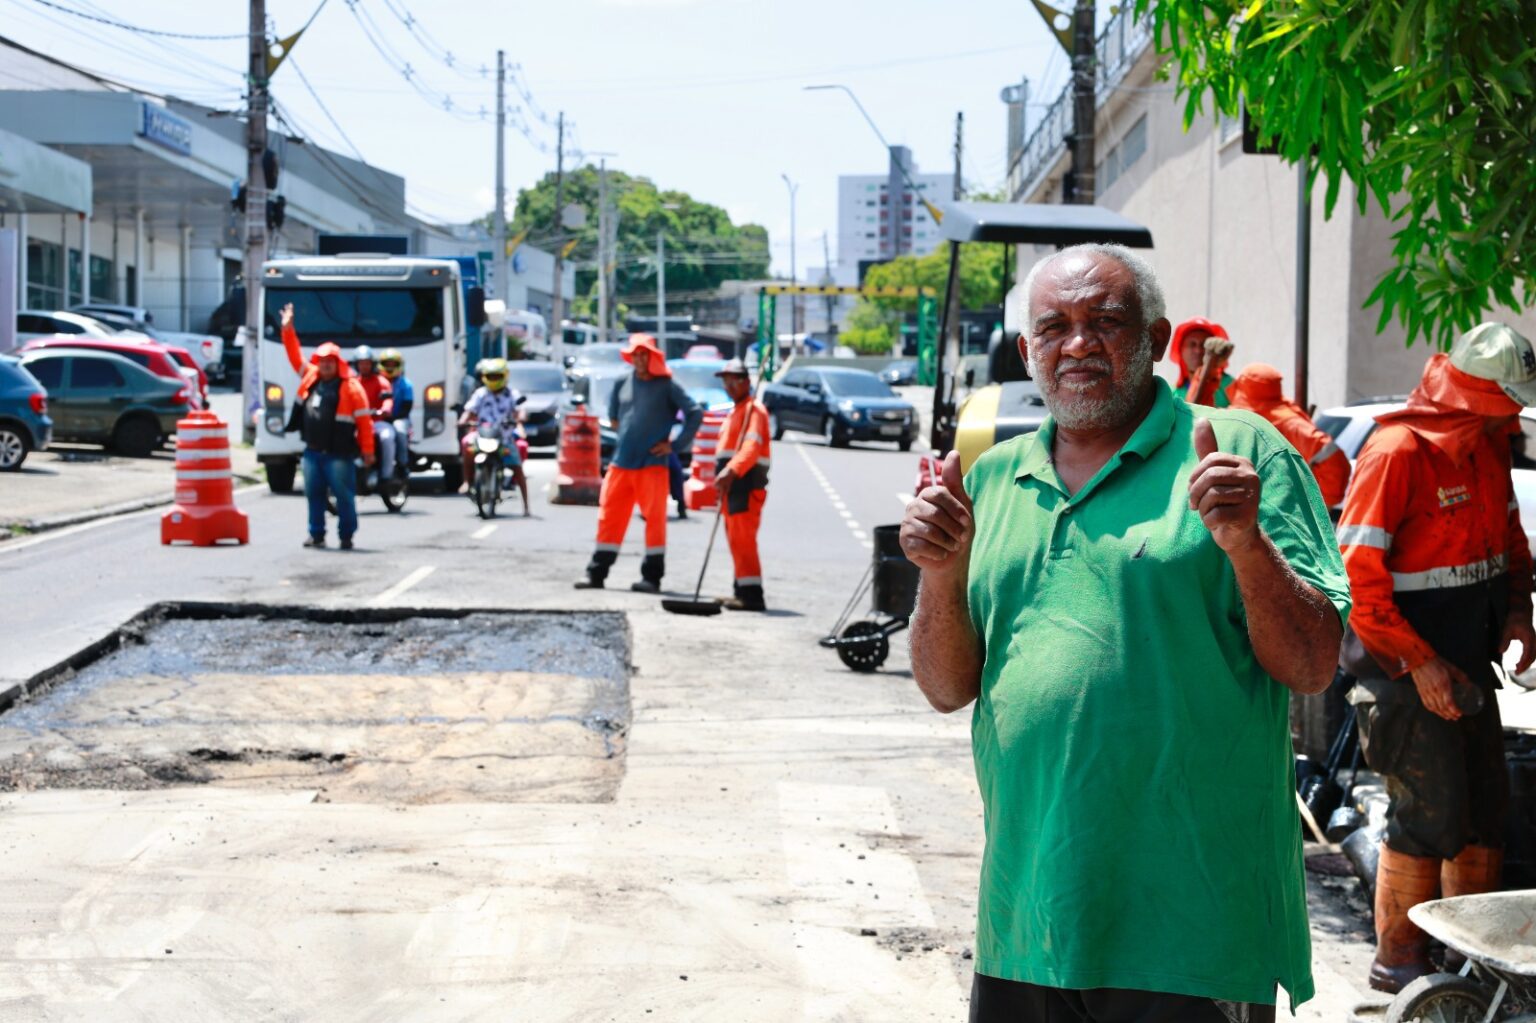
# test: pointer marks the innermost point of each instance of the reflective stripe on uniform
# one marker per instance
(750, 580)
(1324, 454)
(608, 548)
(343, 418)
(655, 552)
(1364, 536)
(1450, 575)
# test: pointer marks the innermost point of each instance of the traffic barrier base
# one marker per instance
(204, 513)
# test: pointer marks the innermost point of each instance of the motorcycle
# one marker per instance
(492, 471)
(391, 483)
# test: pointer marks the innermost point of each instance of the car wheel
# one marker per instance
(13, 448)
(280, 476)
(775, 427)
(905, 444)
(136, 437)
(836, 436)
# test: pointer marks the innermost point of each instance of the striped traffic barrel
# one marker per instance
(204, 512)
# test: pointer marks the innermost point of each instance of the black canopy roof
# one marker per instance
(1040, 224)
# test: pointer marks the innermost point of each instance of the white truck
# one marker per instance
(417, 305)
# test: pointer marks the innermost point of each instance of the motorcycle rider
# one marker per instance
(380, 400)
(404, 399)
(496, 403)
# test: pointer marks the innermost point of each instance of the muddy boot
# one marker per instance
(747, 598)
(597, 570)
(1476, 870)
(652, 568)
(1402, 950)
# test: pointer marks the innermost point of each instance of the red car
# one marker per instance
(169, 361)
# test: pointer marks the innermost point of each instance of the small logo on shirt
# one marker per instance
(1450, 496)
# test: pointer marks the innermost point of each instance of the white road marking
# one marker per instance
(860, 535)
(483, 532)
(9, 546)
(838, 504)
(404, 584)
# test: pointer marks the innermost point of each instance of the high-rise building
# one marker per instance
(880, 217)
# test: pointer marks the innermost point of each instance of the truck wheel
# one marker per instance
(280, 476)
(13, 447)
(136, 437)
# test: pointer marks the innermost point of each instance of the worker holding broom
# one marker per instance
(645, 406)
(741, 478)
(1128, 597)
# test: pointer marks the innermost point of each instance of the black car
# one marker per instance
(900, 373)
(544, 385)
(842, 405)
(102, 398)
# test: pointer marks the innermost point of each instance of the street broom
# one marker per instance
(709, 605)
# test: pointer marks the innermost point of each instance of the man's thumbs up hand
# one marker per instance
(1224, 490)
(937, 530)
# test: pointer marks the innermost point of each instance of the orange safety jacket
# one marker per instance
(1431, 532)
(352, 400)
(745, 446)
(1257, 389)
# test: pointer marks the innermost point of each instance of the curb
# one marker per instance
(32, 527)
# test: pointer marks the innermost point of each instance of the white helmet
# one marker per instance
(362, 354)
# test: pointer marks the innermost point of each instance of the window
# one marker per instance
(45, 275)
(49, 373)
(1124, 154)
(95, 373)
(103, 280)
(869, 234)
(75, 283)
(869, 202)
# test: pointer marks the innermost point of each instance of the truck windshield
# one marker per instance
(394, 317)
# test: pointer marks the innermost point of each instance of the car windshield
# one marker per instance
(599, 354)
(857, 384)
(699, 380)
(397, 317)
(533, 378)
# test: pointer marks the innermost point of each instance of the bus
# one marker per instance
(414, 304)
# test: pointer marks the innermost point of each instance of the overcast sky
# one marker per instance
(701, 95)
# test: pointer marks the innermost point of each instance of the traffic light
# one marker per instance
(277, 212)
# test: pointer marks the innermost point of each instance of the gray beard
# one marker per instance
(1080, 412)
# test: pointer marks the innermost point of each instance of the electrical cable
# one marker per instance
(131, 28)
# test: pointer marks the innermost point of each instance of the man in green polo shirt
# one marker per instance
(1129, 596)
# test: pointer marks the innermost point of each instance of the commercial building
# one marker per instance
(1224, 225)
(118, 196)
(880, 216)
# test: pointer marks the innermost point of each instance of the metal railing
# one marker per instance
(1118, 48)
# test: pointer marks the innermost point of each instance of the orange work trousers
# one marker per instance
(741, 533)
(622, 490)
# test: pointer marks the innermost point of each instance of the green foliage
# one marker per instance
(1428, 105)
(981, 276)
(869, 330)
(703, 246)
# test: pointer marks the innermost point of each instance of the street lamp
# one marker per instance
(661, 278)
(906, 175)
(794, 299)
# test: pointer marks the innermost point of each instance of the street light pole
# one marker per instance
(661, 288)
(794, 300)
(906, 173)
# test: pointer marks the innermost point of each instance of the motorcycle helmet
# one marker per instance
(392, 363)
(494, 373)
(362, 354)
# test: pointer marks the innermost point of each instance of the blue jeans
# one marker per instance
(338, 475)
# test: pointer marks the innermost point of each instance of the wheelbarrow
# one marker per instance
(1497, 935)
(863, 645)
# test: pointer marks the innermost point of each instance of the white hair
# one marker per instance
(1149, 291)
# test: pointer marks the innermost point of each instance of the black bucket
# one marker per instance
(1520, 838)
(895, 585)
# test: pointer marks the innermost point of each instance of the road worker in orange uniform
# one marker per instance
(1201, 349)
(1257, 389)
(741, 477)
(1440, 572)
(645, 407)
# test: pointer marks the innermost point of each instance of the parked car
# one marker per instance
(159, 359)
(103, 398)
(702, 352)
(544, 386)
(206, 350)
(900, 373)
(35, 323)
(842, 405)
(606, 353)
(1350, 425)
(24, 422)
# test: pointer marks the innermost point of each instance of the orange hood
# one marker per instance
(645, 346)
(331, 350)
(1449, 407)
(1176, 344)
(1257, 389)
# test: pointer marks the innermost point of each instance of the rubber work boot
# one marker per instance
(315, 541)
(652, 568)
(1402, 950)
(747, 598)
(346, 543)
(591, 582)
(645, 586)
(1476, 870)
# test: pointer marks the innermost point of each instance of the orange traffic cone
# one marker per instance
(579, 470)
(204, 513)
(699, 491)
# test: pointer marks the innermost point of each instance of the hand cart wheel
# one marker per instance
(863, 646)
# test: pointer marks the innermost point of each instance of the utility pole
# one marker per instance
(1084, 107)
(557, 300)
(499, 261)
(1303, 279)
(794, 300)
(959, 152)
(602, 249)
(826, 262)
(255, 215)
(661, 288)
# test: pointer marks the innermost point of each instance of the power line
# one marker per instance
(401, 66)
(130, 28)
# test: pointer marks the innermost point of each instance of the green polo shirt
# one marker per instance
(1133, 757)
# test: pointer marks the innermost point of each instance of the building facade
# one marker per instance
(879, 217)
(1224, 227)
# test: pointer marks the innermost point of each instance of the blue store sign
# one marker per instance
(164, 128)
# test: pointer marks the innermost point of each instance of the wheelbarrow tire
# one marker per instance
(869, 652)
(1447, 997)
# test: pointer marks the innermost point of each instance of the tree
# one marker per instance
(981, 276)
(1428, 106)
(704, 247)
(869, 329)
